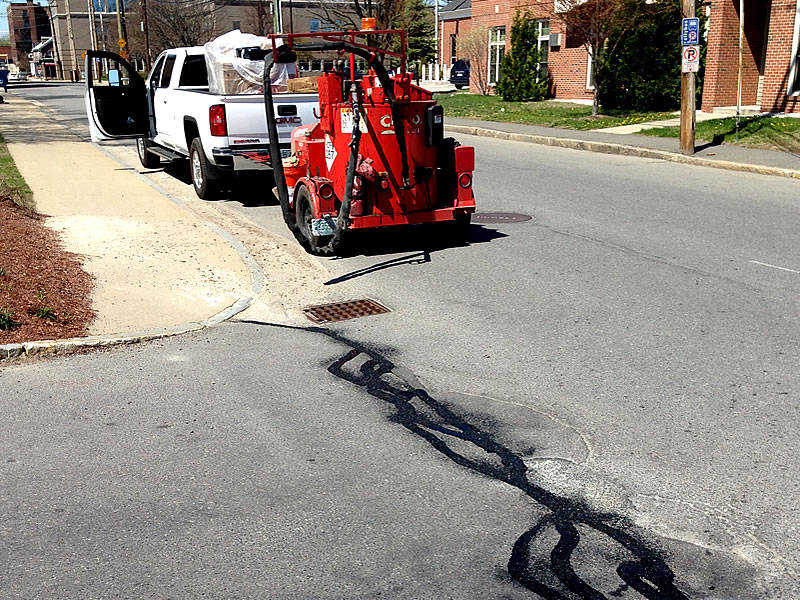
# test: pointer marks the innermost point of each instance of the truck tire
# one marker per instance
(304, 212)
(205, 176)
(147, 158)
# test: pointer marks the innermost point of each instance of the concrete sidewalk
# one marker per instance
(673, 122)
(155, 264)
(727, 156)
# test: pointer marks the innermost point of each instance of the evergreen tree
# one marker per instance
(522, 77)
(418, 23)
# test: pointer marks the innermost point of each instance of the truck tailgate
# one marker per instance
(247, 121)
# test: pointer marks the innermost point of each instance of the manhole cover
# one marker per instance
(341, 311)
(500, 217)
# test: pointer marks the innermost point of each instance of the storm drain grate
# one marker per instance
(342, 311)
(500, 217)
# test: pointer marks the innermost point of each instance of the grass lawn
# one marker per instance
(547, 113)
(12, 185)
(760, 132)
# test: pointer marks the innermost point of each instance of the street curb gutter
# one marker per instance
(624, 150)
(52, 347)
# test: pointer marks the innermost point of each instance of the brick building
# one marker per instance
(28, 23)
(455, 19)
(567, 60)
(770, 77)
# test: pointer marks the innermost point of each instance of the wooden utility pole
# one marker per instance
(92, 25)
(122, 30)
(146, 30)
(95, 38)
(71, 35)
(688, 92)
(56, 49)
(741, 58)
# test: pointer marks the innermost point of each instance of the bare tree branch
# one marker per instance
(474, 45)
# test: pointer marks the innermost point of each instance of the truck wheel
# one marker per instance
(205, 176)
(459, 86)
(147, 158)
(304, 212)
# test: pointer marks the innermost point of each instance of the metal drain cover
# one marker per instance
(342, 311)
(500, 217)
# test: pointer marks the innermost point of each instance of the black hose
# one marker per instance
(275, 149)
(342, 220)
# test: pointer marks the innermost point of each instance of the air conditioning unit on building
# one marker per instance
(555, 40)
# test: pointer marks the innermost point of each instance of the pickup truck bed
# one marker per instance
(181, 118)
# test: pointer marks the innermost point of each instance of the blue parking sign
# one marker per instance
(690, 32)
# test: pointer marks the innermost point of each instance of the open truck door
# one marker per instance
(117, 106)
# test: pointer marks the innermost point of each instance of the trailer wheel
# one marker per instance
(147, 158)
(304, 212)
(205, 176)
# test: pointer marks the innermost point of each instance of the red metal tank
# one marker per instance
(439, 173)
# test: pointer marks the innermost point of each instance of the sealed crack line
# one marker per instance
(575, 549)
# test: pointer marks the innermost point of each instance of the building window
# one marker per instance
(589, 73)
(497, 50)
(313, 25)
(543, 29)
(452, 48)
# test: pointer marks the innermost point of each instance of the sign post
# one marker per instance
(690, 63)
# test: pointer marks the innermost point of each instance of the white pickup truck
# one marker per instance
(173, 116)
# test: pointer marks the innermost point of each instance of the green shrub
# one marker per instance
(45, 313)
(6, 320)
(641, 67)
(522, 77)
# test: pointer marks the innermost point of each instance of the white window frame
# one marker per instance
(543, 40)
(589, 61)
(494, 46)
(793, 89)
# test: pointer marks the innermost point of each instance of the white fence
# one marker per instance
(434, 72)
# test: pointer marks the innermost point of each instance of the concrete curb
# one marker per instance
(52, 347)
(624, 150)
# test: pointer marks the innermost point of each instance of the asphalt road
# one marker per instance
(597, 403)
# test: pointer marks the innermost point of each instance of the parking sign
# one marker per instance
(690, 59)
(690, 32)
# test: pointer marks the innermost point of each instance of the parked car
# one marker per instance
(173, 116)
(459, 74)
(18, 76)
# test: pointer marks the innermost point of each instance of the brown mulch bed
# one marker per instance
(44, 292)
